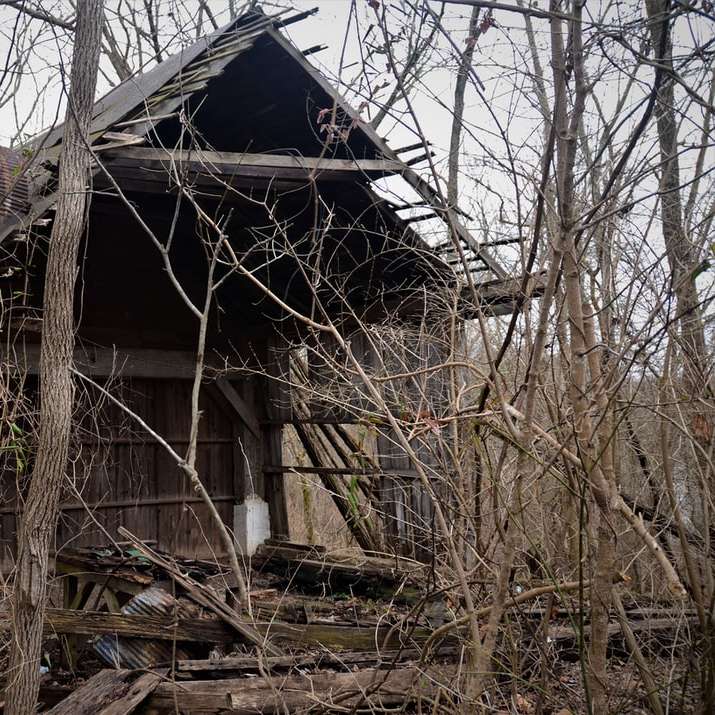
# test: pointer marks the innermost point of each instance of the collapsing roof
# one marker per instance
(263, 118)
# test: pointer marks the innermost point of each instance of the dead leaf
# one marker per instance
(523, 705)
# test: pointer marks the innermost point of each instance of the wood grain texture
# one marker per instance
(292, 693)
(109, 692)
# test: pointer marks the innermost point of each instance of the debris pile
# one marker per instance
(147, 632)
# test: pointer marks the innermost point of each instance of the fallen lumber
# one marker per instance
(377, 575)
(292, 608)
(201, 595)
(344, 637)
(288, 662)
(109, 692)
(92, 623)
(365, 688)
(566, 636)
(215, 630)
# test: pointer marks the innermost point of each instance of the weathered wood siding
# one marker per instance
(124, 477)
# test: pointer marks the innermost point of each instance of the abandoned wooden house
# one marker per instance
(266, 147)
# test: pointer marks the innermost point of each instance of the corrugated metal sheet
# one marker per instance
(121, 652)
(14, 186)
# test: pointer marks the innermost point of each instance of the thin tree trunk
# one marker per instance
(681, 257)
(459, 91)
(39, 520)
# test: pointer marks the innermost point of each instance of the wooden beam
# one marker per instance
(302, 693)
(315, 660)
(106, 362)
(339, 660)
(221, 167)
(345, 638)
(135, 503)
(94, 623)
(126, 362)
(215, 630)
(240, 406)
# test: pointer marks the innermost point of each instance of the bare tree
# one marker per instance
(56, 382)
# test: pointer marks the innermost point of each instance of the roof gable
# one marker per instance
(229, 73)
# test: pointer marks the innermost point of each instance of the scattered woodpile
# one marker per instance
(142, 631)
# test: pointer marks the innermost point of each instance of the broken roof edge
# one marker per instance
(133, 91)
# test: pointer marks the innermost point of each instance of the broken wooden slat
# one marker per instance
(198, 593)
(109, 692)
(138, 692)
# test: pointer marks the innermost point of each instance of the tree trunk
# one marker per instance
(681, 257)
(37, 527)
(459, 92)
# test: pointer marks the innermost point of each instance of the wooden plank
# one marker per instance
(93, 623)
(136, 503)
(339, 660)
(236, 163)
(344, 638)
(109, 692)
(214, 630)
(131, 180)
(239, 405)
(139, 690)
(344, 691)
(104, 362)
(274, 484)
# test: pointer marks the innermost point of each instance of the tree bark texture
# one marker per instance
(682, 258)
(37, 528)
